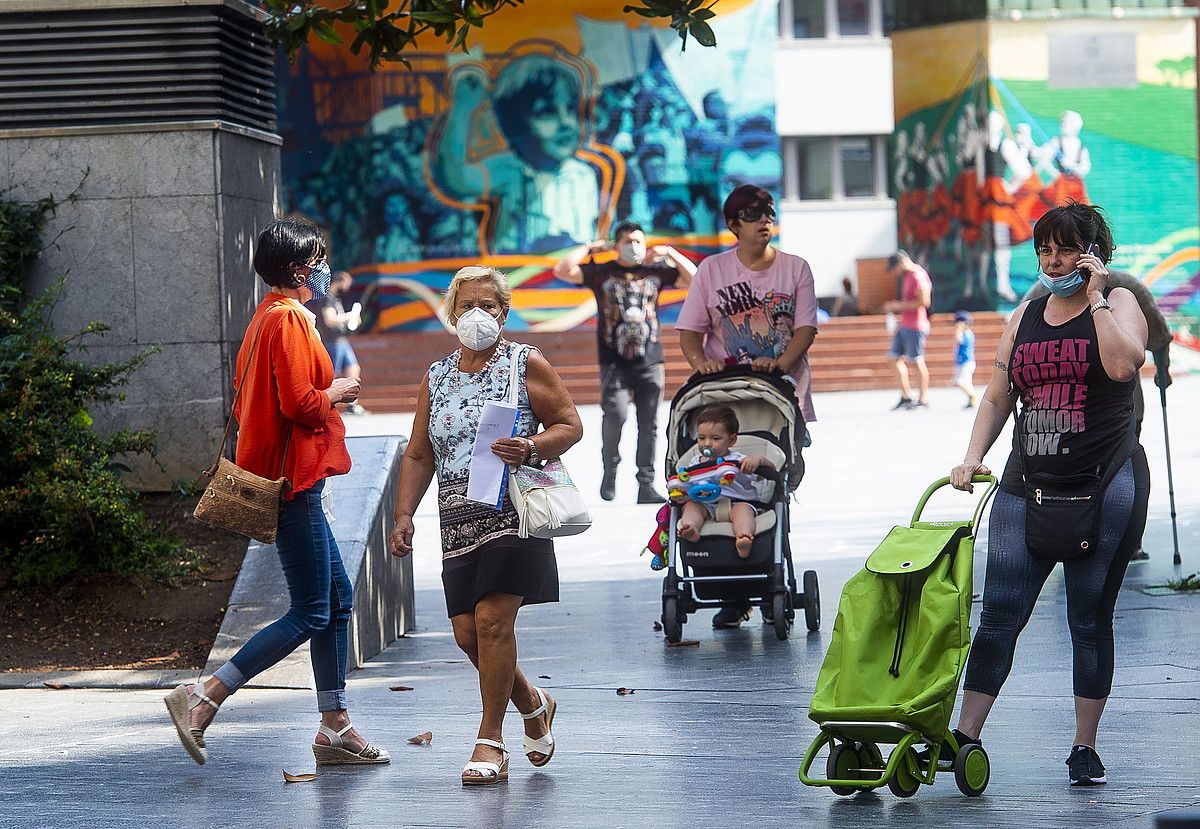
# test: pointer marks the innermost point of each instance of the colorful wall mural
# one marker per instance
(994, 125)
(562, 120)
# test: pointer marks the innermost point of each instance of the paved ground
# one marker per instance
(713, 734)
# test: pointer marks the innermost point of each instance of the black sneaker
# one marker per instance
(1139, 555)
(946, 755)
(1085, 767)
(608, 485)
(904, 403)
(647, 494)
(919, 404)
(732, 616)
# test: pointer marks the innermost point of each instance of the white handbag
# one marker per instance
(548, 503)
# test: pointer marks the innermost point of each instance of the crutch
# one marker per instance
(1162, 379)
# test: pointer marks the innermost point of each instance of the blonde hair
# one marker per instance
(476, 273)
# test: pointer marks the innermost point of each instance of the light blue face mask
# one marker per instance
(1063, 286)
(319, 279)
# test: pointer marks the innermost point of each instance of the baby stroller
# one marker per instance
(891, 674)
(709, 573)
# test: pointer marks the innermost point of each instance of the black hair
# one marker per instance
(283, 247)
(897, 258)
(627, 226)
(720, 414)
(1075, 225)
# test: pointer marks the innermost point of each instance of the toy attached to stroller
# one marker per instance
(709, 573)
(891, 673)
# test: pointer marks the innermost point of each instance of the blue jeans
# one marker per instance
(321, 597)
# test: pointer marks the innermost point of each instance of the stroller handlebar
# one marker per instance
(990, 480)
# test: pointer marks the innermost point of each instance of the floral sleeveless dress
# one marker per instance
(481, 550)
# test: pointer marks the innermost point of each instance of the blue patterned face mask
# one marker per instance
(319, 279)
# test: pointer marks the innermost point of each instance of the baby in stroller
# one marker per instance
(716, 432)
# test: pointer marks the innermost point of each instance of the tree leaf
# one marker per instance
(702, 32)
(421, 739)
(56, 686)
(624, 692)
(684, 643)
(326, 32)
(288, 777)
(400, 688)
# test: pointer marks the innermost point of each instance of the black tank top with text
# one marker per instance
(1074, 417)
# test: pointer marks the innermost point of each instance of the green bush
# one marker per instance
(63, 506)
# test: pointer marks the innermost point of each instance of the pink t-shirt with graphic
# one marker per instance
(746, 314)
(916, 319)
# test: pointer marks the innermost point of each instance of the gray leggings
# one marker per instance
(1014, 580)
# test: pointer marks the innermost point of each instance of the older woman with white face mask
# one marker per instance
(488, 572)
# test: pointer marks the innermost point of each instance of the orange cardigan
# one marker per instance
(284, 384)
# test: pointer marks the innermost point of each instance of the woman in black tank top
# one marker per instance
(1073, 359)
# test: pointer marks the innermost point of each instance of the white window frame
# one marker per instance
(791, 170)
(874, 23)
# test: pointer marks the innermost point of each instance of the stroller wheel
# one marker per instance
(812, 601)
(779, 606)
(672, 623)
(904, 782)
(843, 764)
(972, 770)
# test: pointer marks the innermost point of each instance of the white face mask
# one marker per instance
(477, 329)
(634, 252)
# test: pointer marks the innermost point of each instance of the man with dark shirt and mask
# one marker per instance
(627, 339)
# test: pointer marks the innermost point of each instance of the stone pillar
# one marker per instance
(158, 239)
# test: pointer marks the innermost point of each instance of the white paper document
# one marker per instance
(487, 472)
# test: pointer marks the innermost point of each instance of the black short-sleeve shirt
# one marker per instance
(627, 310)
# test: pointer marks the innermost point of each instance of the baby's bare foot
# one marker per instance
(743, 544)
(688, 531)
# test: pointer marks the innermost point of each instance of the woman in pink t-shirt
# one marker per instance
(752, 304)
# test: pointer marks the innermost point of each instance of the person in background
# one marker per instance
(908, 344)
(627, 341)
(334, 323)
(846, 304)
(964, 357)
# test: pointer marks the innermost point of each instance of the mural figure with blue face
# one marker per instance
(535, 195)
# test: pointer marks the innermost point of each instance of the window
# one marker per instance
(807, 19)
(853, 18)
(834, 168)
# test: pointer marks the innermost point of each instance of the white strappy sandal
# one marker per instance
(541, 745)
(488, 773)
(336, 754)
(180, 703)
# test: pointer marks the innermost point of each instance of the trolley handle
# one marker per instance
(990, 480)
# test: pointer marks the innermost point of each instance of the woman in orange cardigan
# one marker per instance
(287, 418)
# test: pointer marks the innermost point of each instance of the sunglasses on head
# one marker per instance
(753, 214)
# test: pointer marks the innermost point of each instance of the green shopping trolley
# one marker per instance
(897, 652)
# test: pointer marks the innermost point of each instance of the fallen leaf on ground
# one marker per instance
(547, 676)
(624, 692)
(657, 627)
(421, 739)
(57, 686)
(224, 575)
(288, 777)
(400, 688)
(172, 656)
(684, 643)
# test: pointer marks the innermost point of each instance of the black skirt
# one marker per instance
(522, 567)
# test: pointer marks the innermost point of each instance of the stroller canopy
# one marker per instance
(766, 407)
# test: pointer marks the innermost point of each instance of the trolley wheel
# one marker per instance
(904, 782)
(972, 769)
(812, 601)
(842, 764)
(671, 619)
(779, 606)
